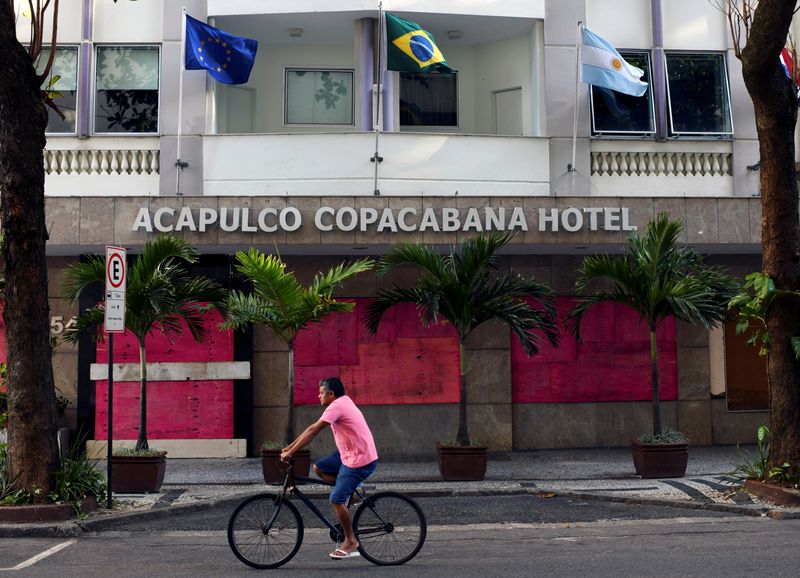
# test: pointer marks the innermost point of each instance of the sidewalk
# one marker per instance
(590, 474)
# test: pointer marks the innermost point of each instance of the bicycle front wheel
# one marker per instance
(390, 528)
(265, 531)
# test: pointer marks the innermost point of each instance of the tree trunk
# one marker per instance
(289, 437)
(141, 440)
(462, 436)
(775, 103)
(31, 395)
(657, 428)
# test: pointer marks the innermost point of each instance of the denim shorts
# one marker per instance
(347, 479)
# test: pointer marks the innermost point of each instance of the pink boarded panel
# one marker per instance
(414, 370)
(175, 409)
(306, 382)
(327, 342)
(404, 363)
(612, 362)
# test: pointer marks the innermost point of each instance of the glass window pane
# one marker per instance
(127, 89)
(319, 97)
(63, 82)
(428, 99)
(698, 93)
(614, 112)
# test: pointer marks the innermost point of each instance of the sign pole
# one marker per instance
(116, 258)
(110, 414)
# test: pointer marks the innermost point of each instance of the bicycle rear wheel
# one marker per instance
(265, 531)
(390, 528)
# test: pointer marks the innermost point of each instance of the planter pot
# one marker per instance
(462, 463)
(771, 493)
(138, 474)
(44, 512)
(660, 460)
(274, 469)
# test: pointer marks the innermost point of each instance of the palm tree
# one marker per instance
(160, 296)
(464, 288)
(279, 302)
(657, 279)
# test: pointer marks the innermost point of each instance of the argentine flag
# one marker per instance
(601, 65)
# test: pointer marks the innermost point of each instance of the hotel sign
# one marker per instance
(387, 220)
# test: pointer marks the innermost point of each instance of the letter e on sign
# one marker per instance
(115, 289)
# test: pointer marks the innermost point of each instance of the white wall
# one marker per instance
(693, 25)
(606, 20)
(517, 8)
(69, 22)
(129, 21)
(501, 66)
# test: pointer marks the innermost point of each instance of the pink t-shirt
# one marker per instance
(350, 432)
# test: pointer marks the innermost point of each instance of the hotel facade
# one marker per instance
(291, 162)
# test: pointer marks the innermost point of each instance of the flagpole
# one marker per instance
(571, 166)
(179, 165)
(376, 158)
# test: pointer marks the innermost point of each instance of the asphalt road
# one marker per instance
(725, 547)
(483, 536)
(453, 510)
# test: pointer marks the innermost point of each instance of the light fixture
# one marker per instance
(454, 34)
(295, 32)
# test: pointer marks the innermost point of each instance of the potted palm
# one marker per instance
(658, 279)
(161, 296)
(278, 301)
(465, 288)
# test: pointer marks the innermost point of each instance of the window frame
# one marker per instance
(624, 134)
(432, 127)
(93, 104)
(77, 48)
(285, 91)
(693, 134)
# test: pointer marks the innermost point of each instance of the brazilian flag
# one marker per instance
(409, 48)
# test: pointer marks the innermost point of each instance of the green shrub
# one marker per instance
(665, 436)
(754, 468)
(148, 453)
(76, 478)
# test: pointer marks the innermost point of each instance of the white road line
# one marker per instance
(41, 556)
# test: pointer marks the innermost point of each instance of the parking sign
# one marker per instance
(115, 289)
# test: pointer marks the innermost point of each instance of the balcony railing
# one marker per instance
(120, 166)
(693, 168)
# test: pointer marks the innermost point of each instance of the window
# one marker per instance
(63, 87)
(623, 114)
(428, 99)
(126, 89)
(319, 96)
(698, 94)
(745, 372)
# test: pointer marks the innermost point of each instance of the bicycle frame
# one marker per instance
(290, 486)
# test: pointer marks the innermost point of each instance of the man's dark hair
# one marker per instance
(334, 385)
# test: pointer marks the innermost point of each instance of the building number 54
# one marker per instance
(58, 324)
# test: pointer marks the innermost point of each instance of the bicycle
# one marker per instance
(266, 530)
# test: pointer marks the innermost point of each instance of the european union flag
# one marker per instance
(227, 58)
(409, 48)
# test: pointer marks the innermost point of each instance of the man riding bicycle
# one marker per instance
(353, 462)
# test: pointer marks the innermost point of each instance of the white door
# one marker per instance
(508, 111)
